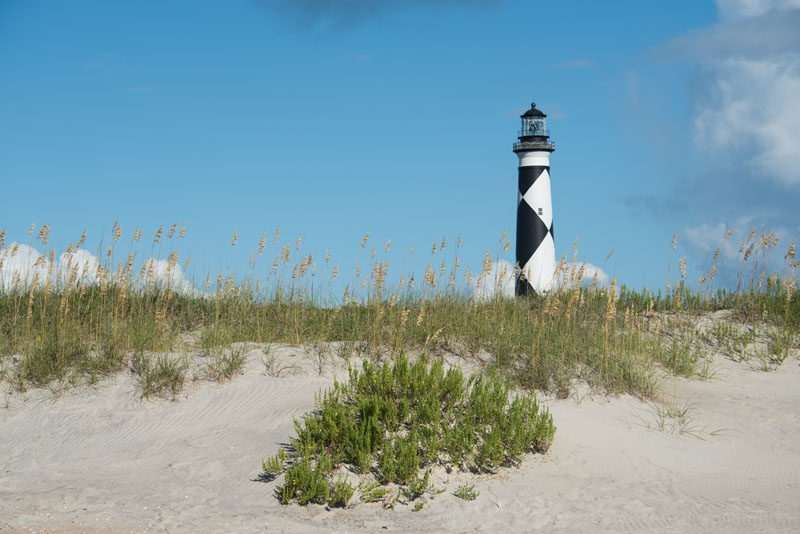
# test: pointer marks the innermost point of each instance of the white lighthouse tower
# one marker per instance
(536, 253)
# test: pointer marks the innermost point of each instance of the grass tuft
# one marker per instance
(466, 492)
(160, 375)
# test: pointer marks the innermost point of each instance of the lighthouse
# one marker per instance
(536, 253)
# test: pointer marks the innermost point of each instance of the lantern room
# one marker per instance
(534, 123)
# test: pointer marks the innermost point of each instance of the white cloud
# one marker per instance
(22, 266)
(78, 267)
(755, 108)
(161, 274)
(582, 273)
(740, 9)
(748, 109)
(500, 279)
(703, 240)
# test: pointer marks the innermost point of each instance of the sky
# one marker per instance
(329, 119)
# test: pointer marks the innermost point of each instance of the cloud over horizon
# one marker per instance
(23, 267)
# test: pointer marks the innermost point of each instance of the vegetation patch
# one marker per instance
(466, 492)
(70, 326)
(160, 375)
(391, 424)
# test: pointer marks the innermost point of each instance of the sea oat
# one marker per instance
(430, 277)
(487, 263)
(44, 234)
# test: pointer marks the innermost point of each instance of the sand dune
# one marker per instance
(102, 460)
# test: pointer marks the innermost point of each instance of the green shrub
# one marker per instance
(397, 420)
(341, 493)
(304, 484)
(417, 487)
(466, 492)
(272, 465)
(372, 491)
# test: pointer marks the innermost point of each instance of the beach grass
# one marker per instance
(84, 321)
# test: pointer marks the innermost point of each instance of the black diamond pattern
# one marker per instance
(528, 175)
(531, 231)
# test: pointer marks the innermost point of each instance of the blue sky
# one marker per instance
(331, 119)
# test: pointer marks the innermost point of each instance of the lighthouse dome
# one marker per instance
(533, 112)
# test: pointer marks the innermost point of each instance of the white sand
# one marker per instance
(101, 460)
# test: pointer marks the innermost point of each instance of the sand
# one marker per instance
(100, 459)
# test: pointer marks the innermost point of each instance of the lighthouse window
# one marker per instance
(540, 211)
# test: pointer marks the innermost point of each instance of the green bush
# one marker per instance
(396, 420)
(305, 485)
(272, 465)
(341, 493)
(466, 492)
